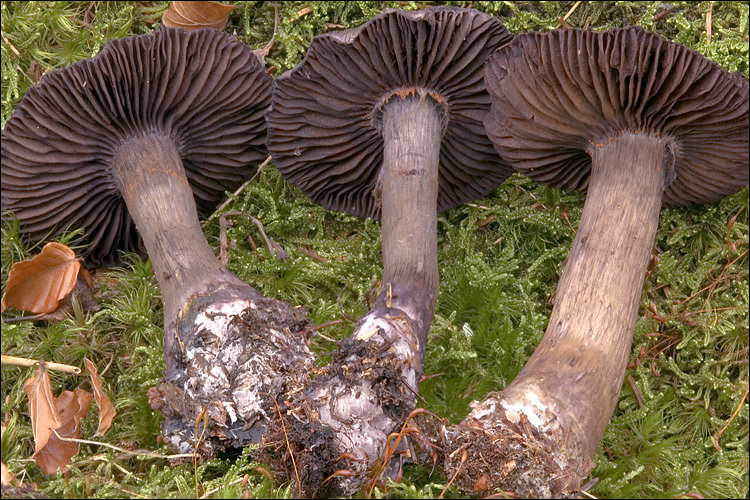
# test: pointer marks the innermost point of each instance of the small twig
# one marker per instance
(708, 22)
(19, 319)
(586, 493)
(12, 360)
(111, 359)
(736, 411)
(415, 392)
(564, 23)
(562, 20)
(131, 492)
(223, 250)
(389, 450)
(315, 329)
(636, 391)
(664, 13)
(239, 190)
(273, 247)
(484, 222)
(716, 281)
(326, 324)
(215, 490)
(202, 417)
(474, 205)
(313, 255)
(103, 458)
(10, 45)
(688, 314)
(123, 450)
(263, 53)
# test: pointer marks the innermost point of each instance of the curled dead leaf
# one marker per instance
(196, 15)
(52, 418)
(7, 478)
(42, 409)
(57, 453)
(38, 285)
(107, 410)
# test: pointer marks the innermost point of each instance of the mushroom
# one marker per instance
(385, 121)
(126, 140)
(637, 122)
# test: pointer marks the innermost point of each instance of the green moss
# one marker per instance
(499, 260)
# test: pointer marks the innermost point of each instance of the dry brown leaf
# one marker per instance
(42, 409)
(38, 285)
(7, 478)
(196, 15)
(73, 407)
(107, 410)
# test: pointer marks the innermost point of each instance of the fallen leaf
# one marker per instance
(42, 409)
(196, 15)
(107, 410)
(7, 478)
(73, 407)
(38, 285)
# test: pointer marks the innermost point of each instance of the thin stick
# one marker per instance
(10, 45)
(572, 9)
(273, 247)
(324, 325)
(587, 494)
(570, 12)
(636, 391)
(239, 190)
(123, 450)
(313, 255)
(12, 360)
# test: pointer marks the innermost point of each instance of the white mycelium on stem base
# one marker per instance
(412, 130)
(385, 121)
(149, 134)
(637, 122)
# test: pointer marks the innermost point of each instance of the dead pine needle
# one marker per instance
(464, 456)
(288, 446)
(734, 414)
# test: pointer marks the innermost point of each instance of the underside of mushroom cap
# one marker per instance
(203, 89)
(323, 123)
(557, 95)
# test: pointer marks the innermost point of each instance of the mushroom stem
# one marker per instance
(374, 390)
(152, 180)
(412, 131)
(569, 387)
